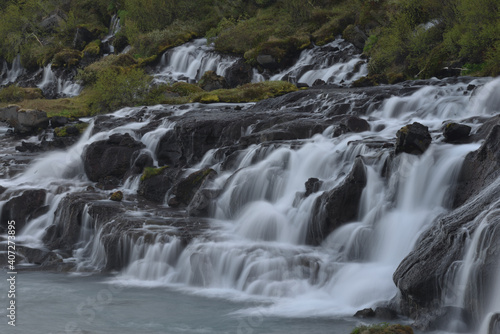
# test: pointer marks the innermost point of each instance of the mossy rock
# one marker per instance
(117, 196)
(67, 58)
(149, 172)
(70, 130)
(185, 189)
(209, 98)
(93, 49)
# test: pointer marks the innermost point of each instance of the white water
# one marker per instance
(114, 28)
(255, 247)
(10, 74)
(190, 61)
(63, 88)
(328, 64)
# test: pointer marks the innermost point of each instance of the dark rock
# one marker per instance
(494, 325)
(22, 208)
(385, 313)
(267, 61)
(480, 168)
(211, 81)
(2, 189)
(337, 206)
(456, 133)
(365, 313)
(52, 22)
(302, 85)
(439, 248)
(111, 157)
(82, 37)
(356, 124)
(413, 138)
(24, 121)
(38, 256)
(184, 191)
(319, 82)
(355, 35)
(200, 204)
(108, 183)
(238, 74)
(58, 121)
(141, 160)
(312, 185)
(156, 187)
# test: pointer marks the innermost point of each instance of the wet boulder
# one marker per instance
(312, 185)
(456, 133)
(202, 199)
(337, 206)
(480, 168)
(413, 139)
(211, 81)
(435, 254)
(355, 35)
(156, 182)
(111, 157)
(82, 37)
(22, 208)
(365, 313)
(184, 191)
(238, 74)
(58, 121)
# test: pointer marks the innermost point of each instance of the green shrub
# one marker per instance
(119, 88)
(67, 58)
(14, 93)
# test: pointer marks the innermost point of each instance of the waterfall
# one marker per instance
(190, 61)
(10, 75)
(255, 245)
(333, 63)
(114, 28)
(51, 84)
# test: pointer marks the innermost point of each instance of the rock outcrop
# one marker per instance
(413, 138)
(110, 158)
(337, 206)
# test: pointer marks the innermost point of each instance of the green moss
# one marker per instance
(209, 98)
(185, 89)
(117, 196)
(149, 172)
(63, 131)
(92, 49)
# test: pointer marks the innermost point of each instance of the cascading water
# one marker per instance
(190, 61)
(114, 28)
(60, 87)
(333, 63)
(10, 75)
(256, 244)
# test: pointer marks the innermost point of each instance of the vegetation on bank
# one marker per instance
(404, 39)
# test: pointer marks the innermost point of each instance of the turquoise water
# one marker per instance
(51, 303)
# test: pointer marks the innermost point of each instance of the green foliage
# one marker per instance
(89, 74)
(14, 93)
(119, 88)
(67, 58)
